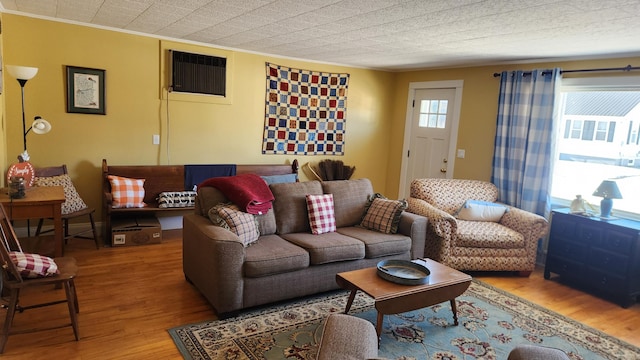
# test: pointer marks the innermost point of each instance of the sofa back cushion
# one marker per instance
(290, 205)
(349, 199)
(266, 223)
(208, 197)
(450, 194)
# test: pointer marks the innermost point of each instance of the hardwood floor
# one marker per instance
(130, 296)
(590, 310)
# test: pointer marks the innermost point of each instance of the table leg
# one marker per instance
(58, 231)
(454, 308)
(352, 296)
(379, 326)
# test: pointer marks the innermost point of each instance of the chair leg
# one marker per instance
(72, 284)
(11, 311)
(65, 223)
(40, 223)
(95, 233)
(67, 235)
(73, 312)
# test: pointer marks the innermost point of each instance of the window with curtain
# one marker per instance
(597, 139)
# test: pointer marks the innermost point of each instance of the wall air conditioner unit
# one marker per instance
(197, 73)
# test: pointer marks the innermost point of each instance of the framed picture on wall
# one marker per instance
(85, 90)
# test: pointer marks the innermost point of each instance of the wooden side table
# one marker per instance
(601, 256)
(39, 202)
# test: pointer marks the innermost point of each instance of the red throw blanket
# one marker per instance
(249, 191)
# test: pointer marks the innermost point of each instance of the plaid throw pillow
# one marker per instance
(321, 215)
(33, 265)
(126, 192)
(241, 223)
(383, 215)
(73, 202)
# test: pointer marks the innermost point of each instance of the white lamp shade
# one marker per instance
(40, 126)
(22, 72)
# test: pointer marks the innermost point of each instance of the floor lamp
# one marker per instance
(21, 175)
(39, 125)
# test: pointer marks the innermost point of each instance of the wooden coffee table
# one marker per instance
(444, 284)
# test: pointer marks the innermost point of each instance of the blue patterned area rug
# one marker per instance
(492, 322)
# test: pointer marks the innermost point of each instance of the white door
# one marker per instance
(430, 152)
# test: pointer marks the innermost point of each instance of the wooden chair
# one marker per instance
(13, 282)
(52, 171)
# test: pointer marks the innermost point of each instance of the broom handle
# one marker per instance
(313, 171)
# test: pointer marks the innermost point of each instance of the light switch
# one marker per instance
(461, 153)
(156, 139)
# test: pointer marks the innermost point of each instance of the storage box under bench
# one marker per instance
(140, 230)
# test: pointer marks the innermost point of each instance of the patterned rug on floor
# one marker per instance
(492, 322)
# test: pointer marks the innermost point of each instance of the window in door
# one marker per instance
(597, 140)
(433, 113)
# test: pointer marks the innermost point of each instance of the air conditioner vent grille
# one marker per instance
(197, 73)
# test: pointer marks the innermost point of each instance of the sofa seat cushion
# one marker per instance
(328, 247)
(483, 234)
(273, 255)
(378, 244)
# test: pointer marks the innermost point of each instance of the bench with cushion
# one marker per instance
(164, 178)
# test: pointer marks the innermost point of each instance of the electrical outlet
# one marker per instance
(156, 139)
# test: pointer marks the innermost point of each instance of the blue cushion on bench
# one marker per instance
(277, 179)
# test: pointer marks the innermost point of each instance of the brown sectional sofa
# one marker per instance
(289, 261)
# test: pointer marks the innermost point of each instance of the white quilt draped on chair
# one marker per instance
(522, 159)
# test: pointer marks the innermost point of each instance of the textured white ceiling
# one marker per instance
(382, 34)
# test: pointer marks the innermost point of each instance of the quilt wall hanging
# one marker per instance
(305, 112)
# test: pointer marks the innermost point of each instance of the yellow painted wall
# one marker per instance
(197, 132)
(479, 110)
(3, 123)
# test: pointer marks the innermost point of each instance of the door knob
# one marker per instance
(443, 170)
(445, 160)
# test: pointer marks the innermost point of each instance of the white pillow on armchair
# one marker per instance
(477, 210)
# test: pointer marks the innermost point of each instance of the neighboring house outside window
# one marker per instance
(598, 139)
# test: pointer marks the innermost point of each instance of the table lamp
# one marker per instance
(607, 190)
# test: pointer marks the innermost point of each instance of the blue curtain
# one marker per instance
(524, 142)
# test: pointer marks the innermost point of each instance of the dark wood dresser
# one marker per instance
(602, 257)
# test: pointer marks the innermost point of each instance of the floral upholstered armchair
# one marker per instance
(484, 240)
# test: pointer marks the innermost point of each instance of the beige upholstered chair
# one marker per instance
(536, 352)
(507, 245)
(347, 337)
